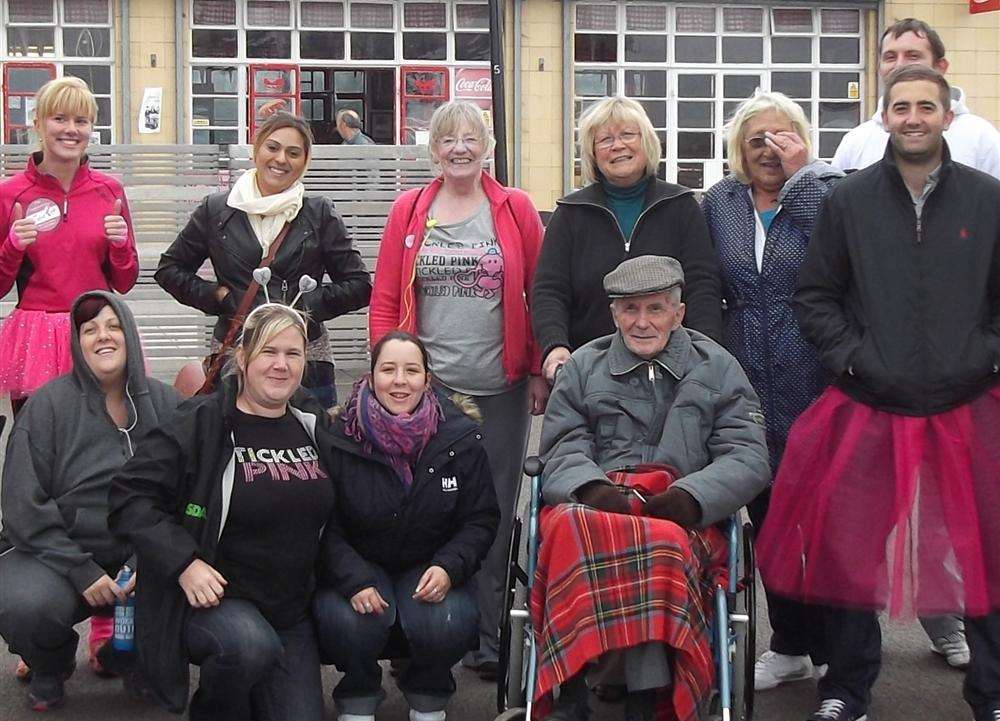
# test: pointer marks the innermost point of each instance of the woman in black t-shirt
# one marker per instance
(225, 507)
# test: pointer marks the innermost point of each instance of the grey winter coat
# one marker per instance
(61, 456)
(691, 407)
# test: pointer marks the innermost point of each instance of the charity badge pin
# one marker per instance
(44, 212)
(408, 241)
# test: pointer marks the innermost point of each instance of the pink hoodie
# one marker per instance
(75, 256)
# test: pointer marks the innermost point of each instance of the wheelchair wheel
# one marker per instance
(510, 691)
(745, 647)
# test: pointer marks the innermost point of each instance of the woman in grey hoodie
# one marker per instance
(58, 560)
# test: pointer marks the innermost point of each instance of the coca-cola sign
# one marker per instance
(474, 83)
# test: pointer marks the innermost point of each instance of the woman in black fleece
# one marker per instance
(625, 212)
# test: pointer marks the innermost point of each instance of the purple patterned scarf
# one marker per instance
(401, 438)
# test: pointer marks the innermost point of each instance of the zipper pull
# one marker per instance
(65, 206)
(284, 291)
(920, 231)
(652, 373)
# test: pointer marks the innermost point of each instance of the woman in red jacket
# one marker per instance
(64, 229)
(455, 268)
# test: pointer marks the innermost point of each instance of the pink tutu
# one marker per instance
(34, 349)
(875, 510)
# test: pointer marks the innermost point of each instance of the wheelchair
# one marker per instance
(733, 622)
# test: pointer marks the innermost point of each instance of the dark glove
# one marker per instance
(675, 505)
(603, 497)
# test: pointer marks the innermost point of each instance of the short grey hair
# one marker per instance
(616, 110)
(450, 117)
(747, 111)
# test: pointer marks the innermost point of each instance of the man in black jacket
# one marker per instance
(887, 488)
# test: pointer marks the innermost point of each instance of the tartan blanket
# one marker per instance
(607, 581)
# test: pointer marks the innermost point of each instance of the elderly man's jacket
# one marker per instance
(691, 407)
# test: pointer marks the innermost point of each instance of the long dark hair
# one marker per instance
(403, 336)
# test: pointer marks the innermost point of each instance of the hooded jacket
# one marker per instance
(973, 140)
(170, 501)
(448, 518)
(317, 243)
(73, 257)
(906, 312)
(61, 456)
(584, 242)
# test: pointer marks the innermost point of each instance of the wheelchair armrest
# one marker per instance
(533, 466)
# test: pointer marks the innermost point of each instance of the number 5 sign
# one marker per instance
(983, 6)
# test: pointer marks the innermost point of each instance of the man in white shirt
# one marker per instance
(972, 140)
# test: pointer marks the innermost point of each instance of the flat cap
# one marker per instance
(644, 275)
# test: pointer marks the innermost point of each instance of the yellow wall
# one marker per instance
(973, 48)
(151, 32)
(541, 101)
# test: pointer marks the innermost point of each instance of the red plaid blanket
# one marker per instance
(607, 581)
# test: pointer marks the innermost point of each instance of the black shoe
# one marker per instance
(45, 692)
(572, 704)
(488, 671)
(835, 709)
(640, 705)
(990, 712)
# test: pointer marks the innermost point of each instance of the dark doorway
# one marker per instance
(370, 92)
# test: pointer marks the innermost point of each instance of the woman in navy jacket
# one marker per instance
(416, 515)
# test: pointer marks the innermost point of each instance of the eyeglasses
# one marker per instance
(448, 142)
(608, 141)
(757, 142)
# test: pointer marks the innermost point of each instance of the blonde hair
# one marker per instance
(450, 117)
(749, 109)
(618, 111)
(263, 323)
(68, 95)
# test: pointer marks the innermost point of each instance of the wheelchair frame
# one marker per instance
(733, 636)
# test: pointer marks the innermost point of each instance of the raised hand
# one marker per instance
(23, 231)
(115, 228)
(789, 148)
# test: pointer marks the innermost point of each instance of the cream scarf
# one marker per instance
(267, 213)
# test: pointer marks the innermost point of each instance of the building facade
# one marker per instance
(198, 71)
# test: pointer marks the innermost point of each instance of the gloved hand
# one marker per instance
(676, 505)
(603, 497)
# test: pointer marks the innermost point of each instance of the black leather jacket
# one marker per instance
(317, 243)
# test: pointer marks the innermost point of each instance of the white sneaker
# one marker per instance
(773, 669)
(426, 715)
(954, 649)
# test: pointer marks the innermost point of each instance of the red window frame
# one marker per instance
(295, 96)
(405, 98)
(9, 126)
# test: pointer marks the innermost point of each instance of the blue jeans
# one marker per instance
(982, 680)
(38, 608)
(854, 652)
(438, 634)
(250, 671)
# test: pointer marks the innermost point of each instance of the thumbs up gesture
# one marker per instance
(115, 228)
(23, 231)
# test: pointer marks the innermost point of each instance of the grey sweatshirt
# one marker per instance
(61, 456)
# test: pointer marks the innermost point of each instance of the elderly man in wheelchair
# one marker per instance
(651, 436)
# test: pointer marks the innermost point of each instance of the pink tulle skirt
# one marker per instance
(875, 510)
(34, 349)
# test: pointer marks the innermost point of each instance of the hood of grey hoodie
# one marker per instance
(958, 105)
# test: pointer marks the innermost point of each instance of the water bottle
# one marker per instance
(124, 635)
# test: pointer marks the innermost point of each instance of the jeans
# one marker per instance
(38, 608)
(982, 680)
(438, 634)
(249, 670)
(797, 629)
(319, 380)
(854, 652)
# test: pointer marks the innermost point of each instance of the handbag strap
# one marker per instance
(236, 322)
